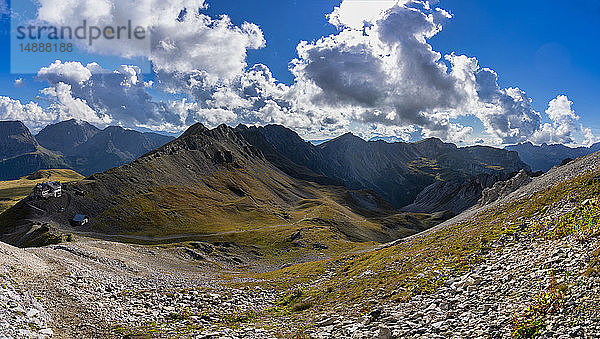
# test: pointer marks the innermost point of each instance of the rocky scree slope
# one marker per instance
(526, 265)
(454, 195)
(502, 189)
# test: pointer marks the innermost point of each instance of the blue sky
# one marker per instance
(545, 48)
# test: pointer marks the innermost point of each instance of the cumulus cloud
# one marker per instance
(181, 37)
(385, 72)
(506, 113)
(120, 95)
(31, 114)
(381, 69)
(67, 72)
(197, 42)
(66, 107)
(19, 82)
(564, 125)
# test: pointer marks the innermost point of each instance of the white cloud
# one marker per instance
(64, 106)
(564, 126)
(560, 111)
(68, 72)
(19, 82)
(355, 13)
(506, 113)
(31, 114)
(384, 72)
(197, 42)
(98, 95)
(182, 39)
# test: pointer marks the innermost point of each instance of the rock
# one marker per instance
(384, 333)
(502, 189)
(295, 236)
(32, 313)
(47, 331)
(326, 322)
(576, 331)
(437, 325)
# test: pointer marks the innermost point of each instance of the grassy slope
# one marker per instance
(251, 220)
(421, 264)
(14, 190)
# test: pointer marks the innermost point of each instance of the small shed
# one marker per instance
(80, 219)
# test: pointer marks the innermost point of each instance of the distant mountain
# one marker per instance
(15, 139)
(70, 144)
(397, 171)
(544, 157)
(283, 139)
(66, 135)
(20, 153)
(88, 149)
(111, 147)
(211, 182)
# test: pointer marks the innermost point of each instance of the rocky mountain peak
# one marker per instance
(197, 128)
(347, 139)
(66, 135)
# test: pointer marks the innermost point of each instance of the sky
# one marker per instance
(468, 72)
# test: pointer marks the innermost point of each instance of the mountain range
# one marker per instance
(70, 144)
(212, 182)
(226, 225)
(397, 171)
(428, 176)
(544, 157)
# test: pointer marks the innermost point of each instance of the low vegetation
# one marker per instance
(533, 319)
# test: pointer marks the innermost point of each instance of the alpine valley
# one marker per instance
(251, 231)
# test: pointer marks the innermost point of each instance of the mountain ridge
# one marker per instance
(544, 157)
(72, 144)
(397, 171)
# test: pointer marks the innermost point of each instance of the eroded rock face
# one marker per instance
(503, 188)
(453, 195)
